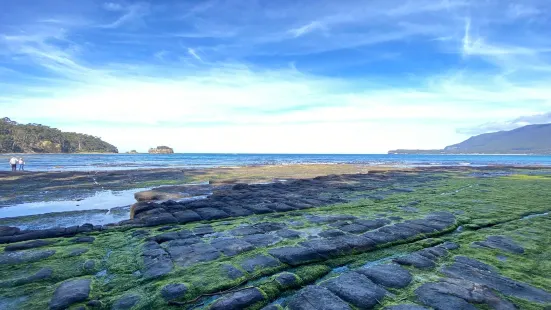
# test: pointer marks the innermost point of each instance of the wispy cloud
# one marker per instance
(416, 70)
(194, 54)
(540, 118)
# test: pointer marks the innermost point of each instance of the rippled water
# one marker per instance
(79, 162)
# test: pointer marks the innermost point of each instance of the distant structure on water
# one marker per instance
(161, 150)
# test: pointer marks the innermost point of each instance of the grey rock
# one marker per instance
(86, 239)
(239, 300)
(173, 291)
(356, 244)
(432, 297)
(161, 219)
(187, 216)
(373, 224)
(232, 272)
(259, 262)
(192, 254)
(27, 245)
(245, 231)
(356, 289)
(389, 275)
(24, 256)
(42, 274)
(315, 297)
(157, 262)
(231, 246)
(70, 292)
(475, 271)
(501, 243)
(8, 231)
(269, 226)
(126, 302)
(295, 256)
(94, 304)
(174, 235)
(288, 234)
(416, 260)
(354, 228)
(78, 251)
(203, 230)
(287, 280)
(89, 265)
(327, 247)
(331, 233)
(211, 213)
(262, 240)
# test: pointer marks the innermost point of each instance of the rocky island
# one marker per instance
(427, 238)
(161, 150)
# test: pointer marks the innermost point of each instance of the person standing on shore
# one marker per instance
(13, 163)
(21, 164)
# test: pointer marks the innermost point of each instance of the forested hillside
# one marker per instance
(36, 138)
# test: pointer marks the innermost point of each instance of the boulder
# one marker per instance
(70, 292)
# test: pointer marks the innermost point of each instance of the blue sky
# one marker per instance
(307, 76)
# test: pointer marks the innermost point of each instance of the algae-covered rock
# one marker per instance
(70, 292)
(239, 300)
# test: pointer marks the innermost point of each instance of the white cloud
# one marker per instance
(194, 54)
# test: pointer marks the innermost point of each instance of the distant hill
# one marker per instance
(36, 138)
(532, 139)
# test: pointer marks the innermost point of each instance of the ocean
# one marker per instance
(96, 162)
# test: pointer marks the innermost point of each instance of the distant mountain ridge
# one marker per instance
(531, 139)
(36, 138)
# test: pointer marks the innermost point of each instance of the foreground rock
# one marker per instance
(70, 292)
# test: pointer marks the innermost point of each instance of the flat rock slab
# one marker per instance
(192, 254)
(174, 235)
(126, 302)
(173, 291)
(157, 262)
(239, 300)
(356, 289)
(317, 298)
(232, 272)
(469, 291)
(70, 292)
(431, 297)
(211, 213)
(186, 216)
(501, 243)
(327, 247)
(24, 257)
(416, 260)
(259, 262)
(42, 274)
(262, 240)
(355, 243)
(203, 230)
(295, 256)
(354, 228)
(245, 231)
(288, 234)
(86, 239)
(373, 224)
(27, 245)
(389, 275)
(231, 246)
(475, 271)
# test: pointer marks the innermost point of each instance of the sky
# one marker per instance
(256, 76)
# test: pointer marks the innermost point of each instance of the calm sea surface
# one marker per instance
(84, 162)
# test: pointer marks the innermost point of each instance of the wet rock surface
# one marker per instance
(501, 243)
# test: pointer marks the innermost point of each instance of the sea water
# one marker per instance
(97, 162)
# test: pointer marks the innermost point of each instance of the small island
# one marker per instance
(161, 150)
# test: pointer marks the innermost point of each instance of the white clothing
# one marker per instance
(13, 161)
